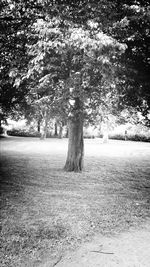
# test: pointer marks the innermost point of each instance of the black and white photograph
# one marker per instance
(74, 133)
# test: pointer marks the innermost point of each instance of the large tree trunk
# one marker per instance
(75, 155)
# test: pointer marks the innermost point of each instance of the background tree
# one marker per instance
(16, 18)
(133, 28)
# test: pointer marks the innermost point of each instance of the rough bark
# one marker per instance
(75, 155)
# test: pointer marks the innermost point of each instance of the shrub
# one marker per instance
(139, 137)
(131, 137)
(117, 137)
(23, 133)
(89, 136)
(1, 130)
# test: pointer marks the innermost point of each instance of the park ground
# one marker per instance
(100, 217)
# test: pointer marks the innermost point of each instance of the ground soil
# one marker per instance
(100, 217)
(129, 249)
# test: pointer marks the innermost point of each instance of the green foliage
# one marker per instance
(62, 37)
(134, 132)
(131, 137)
(1, 130)
(73, 62)
(133, 29)
(16, 18)
(23, 133)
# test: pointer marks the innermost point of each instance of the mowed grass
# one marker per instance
(46, 211)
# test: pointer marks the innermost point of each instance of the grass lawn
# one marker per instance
(46, 211)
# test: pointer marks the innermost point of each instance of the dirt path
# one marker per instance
(130, 249)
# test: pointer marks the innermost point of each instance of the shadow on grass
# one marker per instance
(45, 210)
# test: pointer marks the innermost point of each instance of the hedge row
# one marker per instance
(23, 133)
(133, 137)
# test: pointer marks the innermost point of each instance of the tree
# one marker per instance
(76, 67)
(133, 29)
(73, 60)
(16, 18)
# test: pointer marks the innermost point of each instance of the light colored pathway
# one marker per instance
(130, 249)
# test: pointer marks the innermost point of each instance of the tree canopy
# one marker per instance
(126, 21)
(16, 18)
(133, 29)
